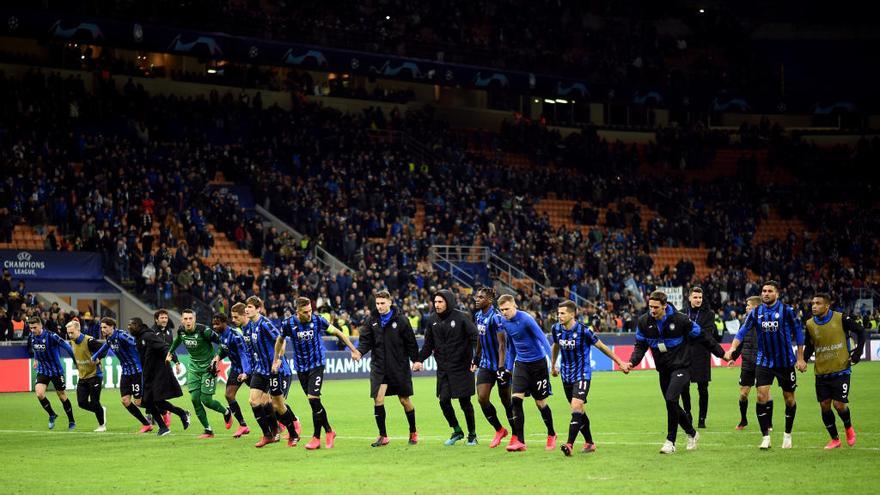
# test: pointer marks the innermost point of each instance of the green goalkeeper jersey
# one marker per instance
(198, 344)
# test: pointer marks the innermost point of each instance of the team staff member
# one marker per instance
(160, 384)
(701, 361)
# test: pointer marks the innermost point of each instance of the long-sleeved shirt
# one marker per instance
(527, 342)
(775, 326)
(46, 350)
(124, 347)
(232, 346)
(263, 334)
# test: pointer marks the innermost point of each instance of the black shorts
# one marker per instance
(279, 385)
(312, 380)
(132, 385)
(90, 383)
(785, 377)
(56, 381)
(532, 379)
(746, 377)
(232, 378)
(833, 387)
(485, 375)
(259, 382)
(576, 390)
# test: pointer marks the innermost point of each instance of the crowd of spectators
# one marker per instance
(106, 168)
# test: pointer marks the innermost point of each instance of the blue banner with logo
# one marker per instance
(51, 265)
(222, 46)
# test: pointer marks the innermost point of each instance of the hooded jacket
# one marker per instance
(451, 337)
(159, 382)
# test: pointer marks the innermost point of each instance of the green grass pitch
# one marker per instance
(628, 422)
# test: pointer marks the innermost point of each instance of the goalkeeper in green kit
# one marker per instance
(200, 375)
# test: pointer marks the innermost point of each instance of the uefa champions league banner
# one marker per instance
(51, 265)
(221, 46)
(18, 375)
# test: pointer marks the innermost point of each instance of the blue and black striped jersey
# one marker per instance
(574, 350)
(308, 346)
(488, 326)
(46, 350)
(774, 325)
(124, 347)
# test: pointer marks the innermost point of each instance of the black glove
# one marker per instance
(503, 375)
(855, 356)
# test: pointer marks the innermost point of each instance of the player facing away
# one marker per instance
(264, 383)
(828, 335)
(200, 378)
(749, 352)
(389, 336)
(90, 375)
(529, 352)
(306, 330)
(669, 334)
(492, 349)
(776, 325)
(45, 347)
(232, 346)
(573, 341)
(124, 347)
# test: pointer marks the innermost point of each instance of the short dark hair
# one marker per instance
(237, 308)
(823, 295)
(773, 283)
(383, 294)
(110, 322)
(302, 302)
(254, 301)
(658, 296)
(222, 318)
(696, 289)
(187, 310)
(159, 312)
(569, 306)
(33, 320)
(488, 292)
